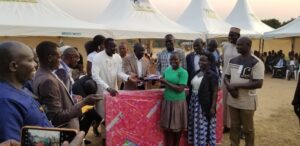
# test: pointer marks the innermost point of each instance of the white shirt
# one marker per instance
(196, 82)
(139, 66)
(292, 62)
(91, 56)
(229, 52)
(106, 69)
(196, 62)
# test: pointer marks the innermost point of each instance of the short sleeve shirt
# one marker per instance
(178, 77)
(242, 70)
(91, 56)
(18, 109)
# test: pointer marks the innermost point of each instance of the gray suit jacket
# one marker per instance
(130, 66)
(58, 103)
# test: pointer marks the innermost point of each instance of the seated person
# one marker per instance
(279, 67)
(269, 62)
(292, 65)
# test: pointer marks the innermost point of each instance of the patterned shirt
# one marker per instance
(163, 60)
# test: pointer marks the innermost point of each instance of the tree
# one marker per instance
(286, 22)
(274, 23)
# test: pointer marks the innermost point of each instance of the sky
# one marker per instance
(282, 10)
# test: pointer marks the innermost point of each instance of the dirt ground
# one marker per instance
(275, 122)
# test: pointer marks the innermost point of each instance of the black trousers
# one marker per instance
(279, 72)
(297, 110)
(87, 120)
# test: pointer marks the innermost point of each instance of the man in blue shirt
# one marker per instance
(18, 108)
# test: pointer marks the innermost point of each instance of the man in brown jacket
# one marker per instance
(136, 63)
(53, 95)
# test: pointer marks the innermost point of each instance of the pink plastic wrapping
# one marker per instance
(132, 119)
(219, 129)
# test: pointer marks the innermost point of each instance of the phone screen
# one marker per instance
(44, 137)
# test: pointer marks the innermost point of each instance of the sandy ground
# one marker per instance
(275, 122)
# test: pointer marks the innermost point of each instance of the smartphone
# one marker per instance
(38, 136)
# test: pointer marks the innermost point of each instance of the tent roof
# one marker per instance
(201, 17)
(139, 19)
(42, 18)
(243, 17)
(291, 29)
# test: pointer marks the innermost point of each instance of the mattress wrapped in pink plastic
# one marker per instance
(132, 119)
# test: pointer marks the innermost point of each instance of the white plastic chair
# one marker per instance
(296, 73)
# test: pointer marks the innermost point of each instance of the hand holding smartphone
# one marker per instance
(32, 135)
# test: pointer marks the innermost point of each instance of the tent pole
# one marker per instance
(61, 41)
(150, 43)
(262, 45)
(259, 46)
(206, 40)
(293, 43)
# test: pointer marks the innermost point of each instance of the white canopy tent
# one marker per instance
(139, 19)
(201, 17)
(291, 29)
(243, 17)
(42, 18)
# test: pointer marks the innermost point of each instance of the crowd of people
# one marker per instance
(280, 65)
(48, 86)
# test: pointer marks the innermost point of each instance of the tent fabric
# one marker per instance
(243, 17)
(42, 18)
(291, 29)
(140, 19)
(201, 17)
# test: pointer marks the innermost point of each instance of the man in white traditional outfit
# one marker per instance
(106, 68)
(229, 52)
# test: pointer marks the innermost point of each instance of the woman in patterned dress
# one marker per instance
(202, 104)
